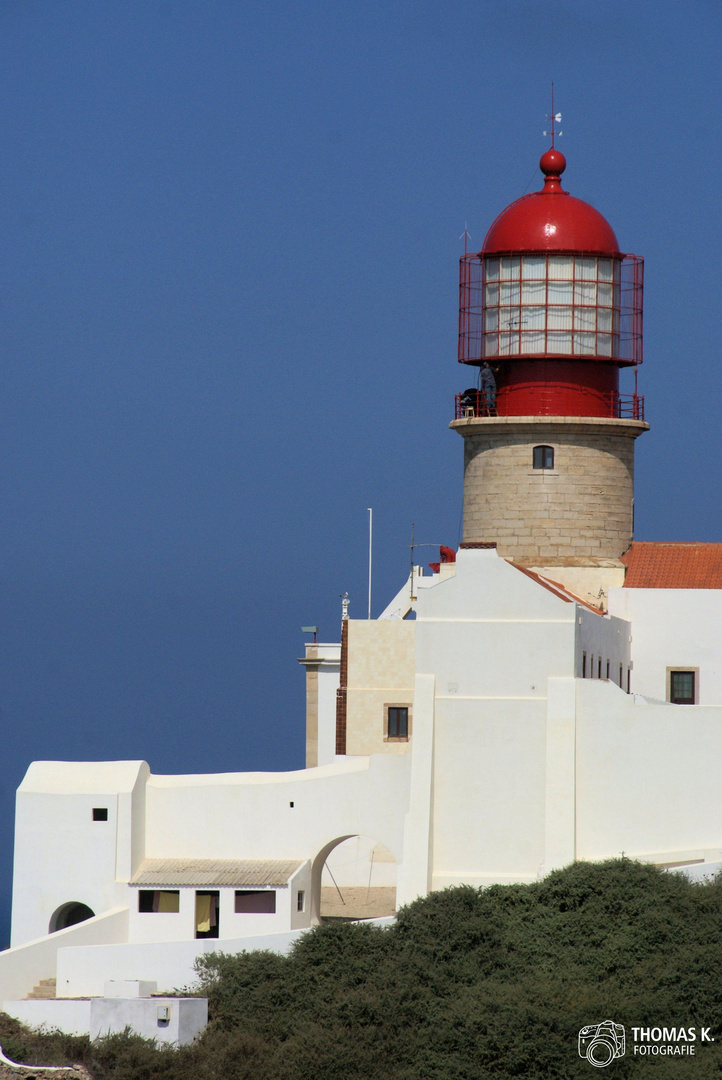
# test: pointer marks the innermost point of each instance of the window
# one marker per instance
(165, 900)
(543, 457)
(683, 687)
(599, 668)
(621, 676)
(584, 665)
(256, 902)
(301, 900)
(397, 726)
(100, 813)
(608, 668)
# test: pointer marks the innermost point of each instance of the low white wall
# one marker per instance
(83, 972)
(98, 1017)
(72, 1017)
(24, 966)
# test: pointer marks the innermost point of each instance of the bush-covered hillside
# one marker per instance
(468, 984)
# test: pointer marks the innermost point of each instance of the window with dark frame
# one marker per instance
(543, 457)
(398, 722)
(159, 900)
(255, 902)
(100, 813)
(682, 686)
(300, 900)
(584, 665)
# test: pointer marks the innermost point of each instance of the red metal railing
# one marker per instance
(473, 403)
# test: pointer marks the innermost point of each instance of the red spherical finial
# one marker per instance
(553, 163)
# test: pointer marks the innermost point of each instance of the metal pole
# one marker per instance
(371, 533)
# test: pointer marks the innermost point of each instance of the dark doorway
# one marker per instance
(70, 914)
(207, 904)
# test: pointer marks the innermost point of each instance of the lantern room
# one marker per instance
(553, 306)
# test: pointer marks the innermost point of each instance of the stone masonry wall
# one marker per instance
(579, 513)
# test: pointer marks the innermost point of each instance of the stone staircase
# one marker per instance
(44, 991)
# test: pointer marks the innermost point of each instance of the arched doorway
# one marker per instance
(68, 915)
(356, 880)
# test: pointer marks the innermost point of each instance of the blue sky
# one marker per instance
(228, 291)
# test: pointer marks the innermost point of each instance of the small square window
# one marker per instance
(682, 687)
(543, 457)
(100, 813)
(397, 723)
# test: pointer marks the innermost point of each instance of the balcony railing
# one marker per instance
(474, 403)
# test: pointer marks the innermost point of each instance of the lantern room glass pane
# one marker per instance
(491, 318)
(605, 269)
(559, 318)
(509, 292)
(534, 266)
(604, 295)
(510, 268)
(560, 292)
(532, 341)
(585, 292)
(491, 345)
(532, 318)
(584, 344)
(584, 318)
(508, 344)
(559, 342)
(604, 319)
(533, 292)
(585, 268)
(604, 344)
(491, 267)
(491, 296)
(561, 267)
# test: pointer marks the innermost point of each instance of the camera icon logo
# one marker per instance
(601, 1043)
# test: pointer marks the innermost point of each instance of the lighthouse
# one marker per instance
(553, 309)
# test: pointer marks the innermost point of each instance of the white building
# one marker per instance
(551, 692)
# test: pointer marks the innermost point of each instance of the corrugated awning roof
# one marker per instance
(673, 566)
(172, 873)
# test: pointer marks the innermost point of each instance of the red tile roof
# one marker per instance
(673, 566)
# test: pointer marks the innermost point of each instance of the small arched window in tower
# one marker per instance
(543, 457)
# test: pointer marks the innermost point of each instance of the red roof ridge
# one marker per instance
(554, 587)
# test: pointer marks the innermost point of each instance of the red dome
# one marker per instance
(551, 219)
